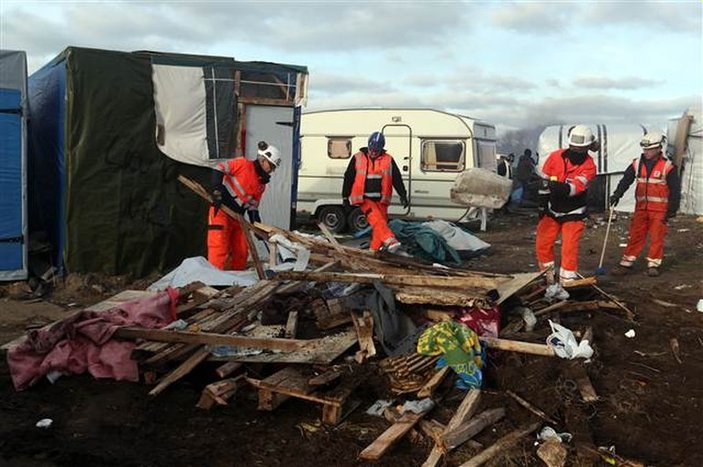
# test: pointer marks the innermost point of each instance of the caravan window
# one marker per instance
(487, 155)
(443, 156)
(339, 147)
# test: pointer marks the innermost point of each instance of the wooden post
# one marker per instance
(292, 325)
(503, 443)
(457, 436)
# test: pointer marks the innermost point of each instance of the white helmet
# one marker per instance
(652, 139)
(270, 153)
(581, 136)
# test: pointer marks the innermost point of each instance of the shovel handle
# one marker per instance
(605, 240)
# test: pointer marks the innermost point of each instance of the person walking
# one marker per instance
(239, 184)
(566, 174)
(368, 183)
(657, 198)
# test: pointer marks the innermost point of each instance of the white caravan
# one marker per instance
(430, 147)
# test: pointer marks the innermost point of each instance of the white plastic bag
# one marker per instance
(563, 341)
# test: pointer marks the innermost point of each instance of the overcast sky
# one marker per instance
(514, 64)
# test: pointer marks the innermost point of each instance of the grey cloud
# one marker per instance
(670, 16)
(532, 18)
(630, 82)
(545, 18)
(325, 83)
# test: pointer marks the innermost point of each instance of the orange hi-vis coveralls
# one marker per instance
(657, 198)
(227, 247)
(564, 206)
(369, 184)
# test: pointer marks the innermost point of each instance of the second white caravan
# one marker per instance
(430, 147)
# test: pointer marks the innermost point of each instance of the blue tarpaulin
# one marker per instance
(13, 223)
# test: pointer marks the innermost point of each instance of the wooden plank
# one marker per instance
(502, 444)
(325, 378)
(289, 379)
(464, 412)
(292, 325)
(582, 282)
(207, 338)
(433, 382)
(455, 437)
(364, 332)
(380, 445)
(186, 367)
(411, 295)
(515, 284)
(518, 346)
(416, 280)
(540, 413)
(228, 368)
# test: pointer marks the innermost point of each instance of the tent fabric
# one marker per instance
(13, 212)
(179, 100)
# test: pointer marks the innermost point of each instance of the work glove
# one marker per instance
(345, 202)
(541, 211)
(670, 215)
(254, 215)
(614, 200)
(217, 199)
(404, 201)
(559, 189)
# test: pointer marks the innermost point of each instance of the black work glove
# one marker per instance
(670, 215)
(345, 202)
(541, 211)
(217, 199)
(559, 189)
(614, 200)
(404, 201)
(254, 215)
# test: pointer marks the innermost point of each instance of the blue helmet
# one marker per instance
(376, 141)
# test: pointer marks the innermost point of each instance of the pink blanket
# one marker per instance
(84, 342)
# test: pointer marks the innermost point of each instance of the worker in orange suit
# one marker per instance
(368, 183)
(239, 184)
(566, 174)
(657, 198)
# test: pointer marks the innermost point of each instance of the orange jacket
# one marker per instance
(373, 178)
(652, 190)
(559, 165)
(242, 182)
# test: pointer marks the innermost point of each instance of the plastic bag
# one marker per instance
(563, 341)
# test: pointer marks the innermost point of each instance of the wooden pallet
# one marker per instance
(291, 382)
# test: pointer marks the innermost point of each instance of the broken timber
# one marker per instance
(503, 443)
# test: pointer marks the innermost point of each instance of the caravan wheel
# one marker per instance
(357, 220)
(333, 218)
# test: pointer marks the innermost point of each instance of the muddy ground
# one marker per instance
(649, 407)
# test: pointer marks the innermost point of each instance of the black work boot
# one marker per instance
(653, 272)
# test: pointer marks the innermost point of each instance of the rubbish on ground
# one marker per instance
(548, 432)
(377, 407)
(564, 343)
(630, 333)
(556, 292)
(44, 423)
(699, 306)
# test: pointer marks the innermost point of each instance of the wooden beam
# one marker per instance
(183, 369)
(363, 325)
(291, 325)
(455, 437)
(380, 445)
(465, 411)
(206, 338)
(582, 282)
(540, 413)
(502, 444)
(518, 346)
(369, 278)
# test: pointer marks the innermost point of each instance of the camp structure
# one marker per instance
(430, 147)
(619, 145)
(685, 146)
(111, 131)
(13, 167)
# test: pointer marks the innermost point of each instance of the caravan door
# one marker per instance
(399, 144)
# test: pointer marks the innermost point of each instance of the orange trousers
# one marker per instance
(548, 230)
(643, 223)
(227, 246)
(377, 215)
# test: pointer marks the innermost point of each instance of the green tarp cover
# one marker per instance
(125, 210)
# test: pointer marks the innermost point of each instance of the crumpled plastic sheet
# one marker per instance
(563, 341)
